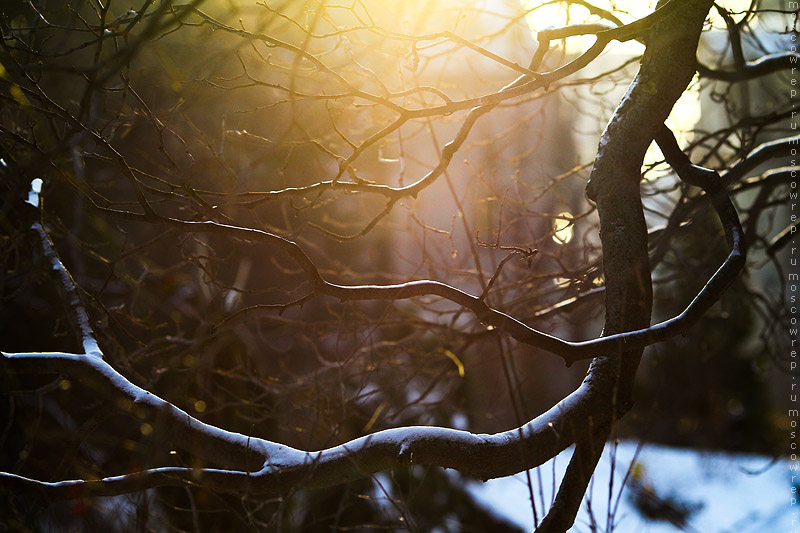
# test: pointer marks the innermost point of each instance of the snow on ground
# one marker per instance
(690, 490)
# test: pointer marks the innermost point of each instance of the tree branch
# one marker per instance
(666, 69)
(570, 351)
(752, 69)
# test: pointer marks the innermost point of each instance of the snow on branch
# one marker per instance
(76, 311)
(258, 465)
(262, 466)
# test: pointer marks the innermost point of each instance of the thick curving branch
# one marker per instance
(752, 69)
(666, 69)
(261, 466)
(569, 351)
(763, 152)
(573, 486)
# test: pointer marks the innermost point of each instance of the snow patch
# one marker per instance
(36, 189)
(719, 492)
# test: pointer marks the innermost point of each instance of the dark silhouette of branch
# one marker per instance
(752, 69)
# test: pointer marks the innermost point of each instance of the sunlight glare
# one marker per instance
(553, 14)
(562, 228)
